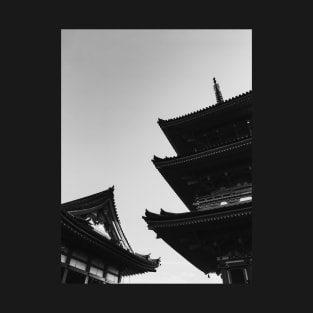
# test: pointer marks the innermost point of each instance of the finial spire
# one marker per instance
(218, 94)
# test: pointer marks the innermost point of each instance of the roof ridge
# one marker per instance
(92, 196)
(118, 218)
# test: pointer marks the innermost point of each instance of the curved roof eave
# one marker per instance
(180, 219)
(169, 161)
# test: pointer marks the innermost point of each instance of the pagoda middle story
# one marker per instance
(212, 175)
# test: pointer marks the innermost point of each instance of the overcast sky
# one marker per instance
(115, 84)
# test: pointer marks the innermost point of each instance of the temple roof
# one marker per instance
(204, 111)
(93, 203)
(72, 222)
(134, 262)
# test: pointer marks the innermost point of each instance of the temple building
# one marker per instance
(212, 176)
(94, 249)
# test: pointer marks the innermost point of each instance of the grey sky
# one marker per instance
(115, 84)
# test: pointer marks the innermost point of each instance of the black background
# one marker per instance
(31, 240)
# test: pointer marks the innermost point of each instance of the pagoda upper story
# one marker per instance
(213, 166)
(222, 123)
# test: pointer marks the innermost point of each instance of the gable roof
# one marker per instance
(94, 203)
(91, 203)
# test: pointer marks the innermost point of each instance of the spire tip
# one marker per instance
(218, 93)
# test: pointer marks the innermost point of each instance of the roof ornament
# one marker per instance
(218, 94)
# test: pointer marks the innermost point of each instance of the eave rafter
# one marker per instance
(160, 163)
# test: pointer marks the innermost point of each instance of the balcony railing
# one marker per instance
(224, 197)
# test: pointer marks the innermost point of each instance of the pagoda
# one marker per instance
(94, 248)
(211, 174)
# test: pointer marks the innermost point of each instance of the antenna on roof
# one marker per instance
(218, 94)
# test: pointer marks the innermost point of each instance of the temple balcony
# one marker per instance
(224, 197)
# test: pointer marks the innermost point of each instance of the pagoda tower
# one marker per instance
(212, 176)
